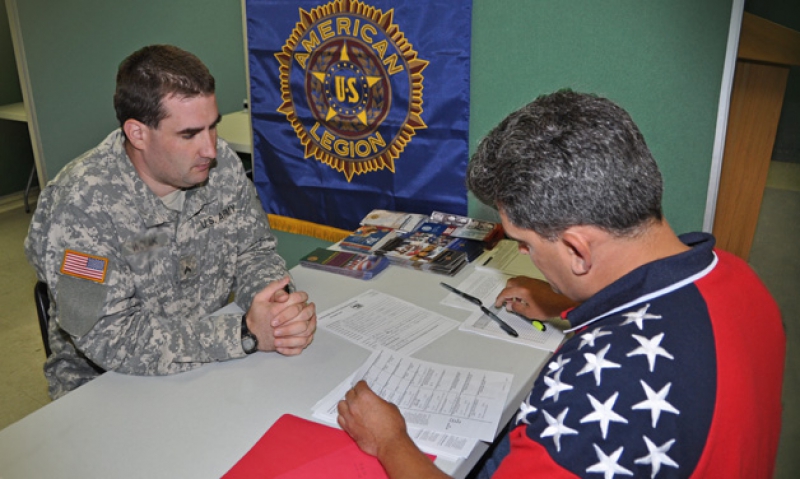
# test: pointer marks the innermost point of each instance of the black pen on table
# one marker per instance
(472, 299)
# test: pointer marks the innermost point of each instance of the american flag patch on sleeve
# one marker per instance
(84, 266)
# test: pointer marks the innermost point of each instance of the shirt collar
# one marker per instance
(649, 281)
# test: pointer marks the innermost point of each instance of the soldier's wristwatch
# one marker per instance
(249, 340)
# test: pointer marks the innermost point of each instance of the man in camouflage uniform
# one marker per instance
(142, 239)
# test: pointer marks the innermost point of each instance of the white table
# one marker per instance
(198, 424)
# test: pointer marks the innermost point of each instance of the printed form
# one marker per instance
(486, 285)
(451, 400)
(377, 320)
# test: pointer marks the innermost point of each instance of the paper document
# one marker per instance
(446, 399)
(377, 320)
(486, 285)
(548, 340)
(506, 258)
(432, 442)
(442, 445)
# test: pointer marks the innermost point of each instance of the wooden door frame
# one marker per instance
(766, 50)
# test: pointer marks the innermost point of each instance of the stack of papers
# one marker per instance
(427, 248)
(486, 285)
(447, 409)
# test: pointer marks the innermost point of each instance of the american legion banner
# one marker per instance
(359, 105)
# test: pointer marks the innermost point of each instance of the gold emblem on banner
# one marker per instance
(351, 86)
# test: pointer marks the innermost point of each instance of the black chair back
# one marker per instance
(42, 298)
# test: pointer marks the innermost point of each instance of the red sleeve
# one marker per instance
(751, 350)
(528, 459)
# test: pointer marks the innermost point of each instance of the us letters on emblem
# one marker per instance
(362, 86)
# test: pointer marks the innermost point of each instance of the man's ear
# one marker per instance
(136, 132)
(578, 245)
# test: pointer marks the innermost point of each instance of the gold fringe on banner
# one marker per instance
(307, 228)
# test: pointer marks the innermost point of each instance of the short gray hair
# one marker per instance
(568, 159)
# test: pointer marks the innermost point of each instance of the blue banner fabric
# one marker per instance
(359, 105)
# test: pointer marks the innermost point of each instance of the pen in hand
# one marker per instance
(472, 299)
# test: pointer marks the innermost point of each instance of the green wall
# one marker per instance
(660, 60)
(73, 49)
(16, 154)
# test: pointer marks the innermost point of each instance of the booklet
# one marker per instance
(393, 219)
(356, 265)
(366, 238)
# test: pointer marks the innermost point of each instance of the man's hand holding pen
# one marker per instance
(533, 299)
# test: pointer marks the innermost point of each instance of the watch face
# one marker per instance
(249, 344)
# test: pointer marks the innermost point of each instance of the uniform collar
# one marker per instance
(649, 281)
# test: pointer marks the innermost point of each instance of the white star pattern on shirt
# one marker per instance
(595, 363)
(657, 456)
(590, 337)
(556, 427)
(588, 390)
(656, 402)
(639, 316)
(557, 365)
(608, 465)
(555, 386)
(524, 409)
(603, 413)
(651, 348)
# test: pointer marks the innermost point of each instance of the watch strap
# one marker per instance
(249, 340)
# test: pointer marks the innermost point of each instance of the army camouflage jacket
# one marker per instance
(132, 282)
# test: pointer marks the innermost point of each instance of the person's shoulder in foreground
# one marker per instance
(142, 239)
(676, 364)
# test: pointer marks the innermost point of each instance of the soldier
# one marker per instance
(676, 365)
(143, 239)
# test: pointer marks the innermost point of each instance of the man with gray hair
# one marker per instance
(676, 364)
(144, 238)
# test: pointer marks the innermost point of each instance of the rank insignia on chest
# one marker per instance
(188, 267)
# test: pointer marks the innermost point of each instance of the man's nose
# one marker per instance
(209, 147)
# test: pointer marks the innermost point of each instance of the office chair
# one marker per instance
(42, 299)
